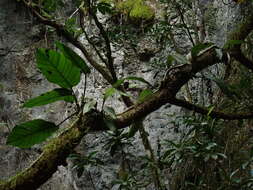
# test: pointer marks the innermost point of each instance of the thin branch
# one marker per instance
(107, 42)
(87, 37)
(76, 101)
(84, 91)
(185, 25)
(66, 118)
(214, 114)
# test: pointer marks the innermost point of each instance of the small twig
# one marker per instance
(74, 13)
(76, 101)
(66, 118)
(84, 91)
(88, 39)
(107, 42)
(185, 25)
(93, 185)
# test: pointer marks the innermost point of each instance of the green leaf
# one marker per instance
(49, 5)
(199, 47)
(110, 111)
(144, 95)
(110, 124)
(133, 130)
(109, 92)
(120, 81)
(30, 133)
(73, 57)
(232, 43)
(170, 60)
(104, 8)
(89, 105)
(227, 89)
(57, 68)
(49, 97)
(210, 110)
(178, 58)
(138, 79)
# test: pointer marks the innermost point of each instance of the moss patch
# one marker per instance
(137, 9)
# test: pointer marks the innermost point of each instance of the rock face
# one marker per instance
(20, 80)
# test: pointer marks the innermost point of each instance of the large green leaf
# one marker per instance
(49, 97)
(57, 68)
(73, 57)
(30, 133)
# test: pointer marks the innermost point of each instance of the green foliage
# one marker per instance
(136, 9)
(73, 57)
(120, 81)
(110, 111)
(72, 28)
(109, 92)
(30, 133)
(161, 31)
(128, 183)
(144, 95)
(104, 8)
(232, 43)
(208, 155)
(63, 69)
(226, 88)
(57, 68)
(51, 5)
(198, 48)
(113, 90)
(176, 57)
(49, 97)
(238, 89)
(82, 163)
(89, 105)
(116, 141)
